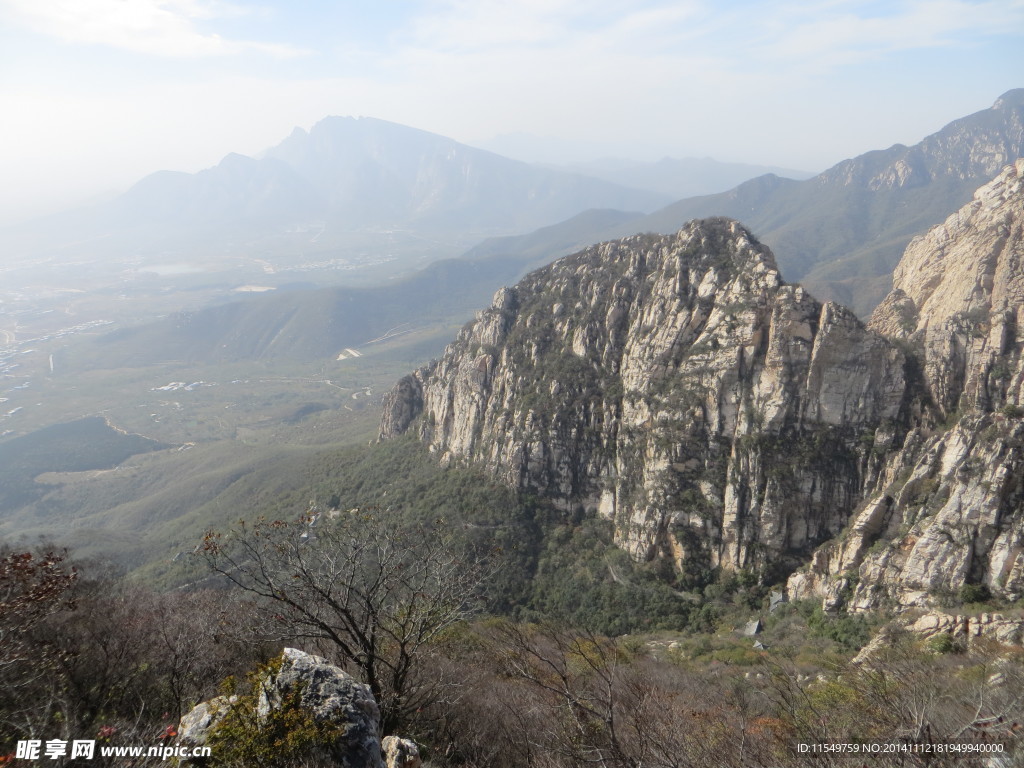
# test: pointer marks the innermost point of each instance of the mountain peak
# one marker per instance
(842, 232)
(1011, 99)
(365, 174)
(714, 239)
(235, 160)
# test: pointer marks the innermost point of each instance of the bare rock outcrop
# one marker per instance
(948, 508)
(958, 294)
(989, 626)
(723, 419)
(993, 631)
(400, 753)
(332, 696)
(326, 692)
(196, 725)
(676, 386)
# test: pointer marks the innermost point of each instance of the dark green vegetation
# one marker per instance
(551, 565)
(77, 446)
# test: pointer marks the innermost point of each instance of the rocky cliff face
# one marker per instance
(676, 386)
(722, 418)
(948, 509)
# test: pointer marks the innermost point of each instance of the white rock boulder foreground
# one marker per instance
(400, 753)
(331, 696)
(195, 727)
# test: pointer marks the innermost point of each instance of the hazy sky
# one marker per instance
(97, 93)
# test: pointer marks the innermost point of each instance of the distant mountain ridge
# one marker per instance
(541, 246)
(373, 172)
(238, 191)
(364, 173)
(842, 232)
(681, 177)
(344, 175)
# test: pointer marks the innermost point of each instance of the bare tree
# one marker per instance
(908, 696)
(33, 587)
(377, 594)
(601, 705)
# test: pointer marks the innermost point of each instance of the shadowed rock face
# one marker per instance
(675, 385)
(949, 509)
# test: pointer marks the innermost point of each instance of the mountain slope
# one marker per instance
(542, 246)
(301, 324)
(310, 324)
(364, 174)
(238, 192)
(372, 172)
(83, 444)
